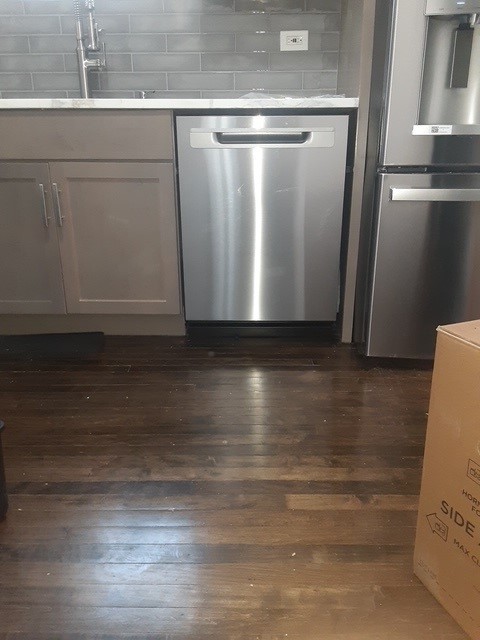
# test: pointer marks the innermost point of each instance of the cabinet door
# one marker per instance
(118, 238)
(31, 276)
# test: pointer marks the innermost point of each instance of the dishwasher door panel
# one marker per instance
(426, 267)
(261, 217)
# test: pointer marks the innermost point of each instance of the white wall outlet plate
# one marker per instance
(293, 40)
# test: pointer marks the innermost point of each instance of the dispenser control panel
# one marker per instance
(451, 7)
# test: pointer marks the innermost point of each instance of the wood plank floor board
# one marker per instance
(305, 623)
(392, 571)
(182, 488)
(180, 554)
(396, 599)
(223, 490)
(263, 503)
(326, 521)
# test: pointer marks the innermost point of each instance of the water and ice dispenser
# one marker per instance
(450, 93)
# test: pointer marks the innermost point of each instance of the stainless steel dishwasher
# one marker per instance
(261, 206)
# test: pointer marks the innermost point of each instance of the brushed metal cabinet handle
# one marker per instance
(58, 204)
(43, 203)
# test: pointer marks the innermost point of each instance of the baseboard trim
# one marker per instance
(113, 325)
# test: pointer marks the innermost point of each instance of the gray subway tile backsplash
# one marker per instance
(200, 81)
(50, 43)
(200, 42)
(199, 6)
(11, 7)
(15, 81)
(301, 61)
(314, 23)
(236, 23)
(26, 95)
(235, 62)
(29, 25)
(179, 48)
(136, 43)
(328, 41)
(132, 81)
(319, 80)
(257, 42)
(50, 7)
(166, 23)
(129, 6)
(265, 6)
(332, 22)
(14, 44)
(322, 5)
(55, 81)
(166, 62)
(276, 82)
(32, 62)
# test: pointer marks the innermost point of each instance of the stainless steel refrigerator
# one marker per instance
(420, 253)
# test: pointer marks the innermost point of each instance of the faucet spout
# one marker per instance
(88, 44)
(82, 71)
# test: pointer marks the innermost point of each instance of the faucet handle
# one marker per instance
(103, 58)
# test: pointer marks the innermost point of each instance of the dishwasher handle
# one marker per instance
(434, 195)
(264, 138)
(260, 137)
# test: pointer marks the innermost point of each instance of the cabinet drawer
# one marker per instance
(86, 135)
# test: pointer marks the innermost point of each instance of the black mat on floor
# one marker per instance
(53, 345)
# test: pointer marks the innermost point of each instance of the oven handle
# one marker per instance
(434, 195)
(266, 138)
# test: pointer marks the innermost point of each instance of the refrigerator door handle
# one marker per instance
(434, 195)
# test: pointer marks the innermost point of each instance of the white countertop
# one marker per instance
(152, 103)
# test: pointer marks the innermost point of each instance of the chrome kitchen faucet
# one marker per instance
(91, 52)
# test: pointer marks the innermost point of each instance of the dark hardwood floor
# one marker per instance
(250, 489)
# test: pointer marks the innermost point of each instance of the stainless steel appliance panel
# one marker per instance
(426, 262)
(406, 140)
(261, 205)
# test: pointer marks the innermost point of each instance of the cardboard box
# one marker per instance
(447, 548)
